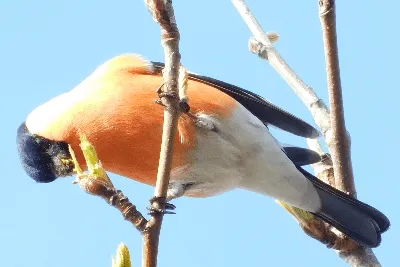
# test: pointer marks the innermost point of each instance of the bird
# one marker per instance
(223, 143)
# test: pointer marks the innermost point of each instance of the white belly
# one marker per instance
(242, 153)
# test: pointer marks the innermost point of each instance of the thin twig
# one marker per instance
(340, 146)
(262, 45)
(306, 93)
(163, 13)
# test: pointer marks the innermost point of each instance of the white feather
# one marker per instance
(242, 153)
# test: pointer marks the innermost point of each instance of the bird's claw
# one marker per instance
(167, 210)
(169, 94)
(183, 105)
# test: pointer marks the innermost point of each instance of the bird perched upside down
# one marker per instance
(225, 145)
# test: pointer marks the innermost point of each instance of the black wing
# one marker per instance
(264, 110)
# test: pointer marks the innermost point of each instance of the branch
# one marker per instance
(262, 46)
(163, 13)
(306, 93)
(96, 182)
(340, 146)
(361, 257)
(335, 135)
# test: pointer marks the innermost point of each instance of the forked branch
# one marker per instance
(332, 126)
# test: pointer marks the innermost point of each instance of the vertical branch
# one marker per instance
(163, 13)
(340, 147)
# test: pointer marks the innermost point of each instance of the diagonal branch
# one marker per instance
(163, 13)
(262, 46)
(96, 182)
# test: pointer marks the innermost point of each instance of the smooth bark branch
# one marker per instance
(340, 146)
(163, 13)
(262, 46)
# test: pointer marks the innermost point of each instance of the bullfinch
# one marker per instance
(223, 144)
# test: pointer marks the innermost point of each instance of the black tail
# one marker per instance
(354, 218)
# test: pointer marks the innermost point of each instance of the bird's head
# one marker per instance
(44, 160)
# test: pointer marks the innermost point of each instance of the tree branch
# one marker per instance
(163, 13)
(335, 135)
(340, 146)
(360, 257)
(96, 182)
(262, 46)
(306, 93)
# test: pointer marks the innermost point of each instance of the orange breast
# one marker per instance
(120, 118)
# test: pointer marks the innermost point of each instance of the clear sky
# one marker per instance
(48, 47)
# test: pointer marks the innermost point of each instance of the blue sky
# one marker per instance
(48, 47)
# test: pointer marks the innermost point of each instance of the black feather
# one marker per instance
(264, 110)
(301, 156)
(356, 219)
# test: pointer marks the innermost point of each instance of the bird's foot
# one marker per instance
(168, 94)
(167, 210)
(183, 105)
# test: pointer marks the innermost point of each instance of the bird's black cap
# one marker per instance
(42, 159)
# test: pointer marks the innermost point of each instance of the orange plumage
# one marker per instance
(118, 120)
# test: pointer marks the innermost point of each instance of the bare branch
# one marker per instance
(306, 93)
(335, 135)
(361, 257)
(115, 198)
(163, 13)
(340, 144)
(96, 182)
